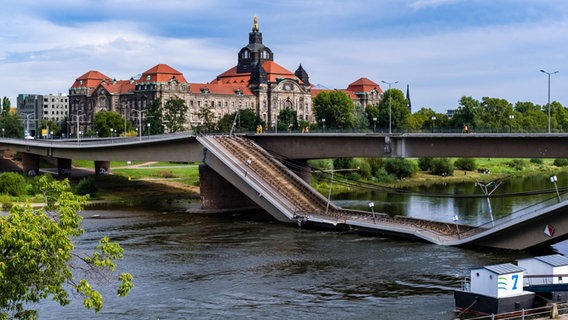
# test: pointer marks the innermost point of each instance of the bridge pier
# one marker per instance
(30, 164)
(102, 167)
(218, 193)
(63, 167)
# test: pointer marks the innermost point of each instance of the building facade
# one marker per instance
(257, 82)
(33, 108)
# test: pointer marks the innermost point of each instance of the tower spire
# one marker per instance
(255, 24)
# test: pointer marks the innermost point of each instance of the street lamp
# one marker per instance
(374, 124)
(323, 123)
(548, 74)
(3, 130)
(139, 122)
(553, 179)
(433, 120)
(77, 116)
(511, 117)
(390, 104)
(148, 131)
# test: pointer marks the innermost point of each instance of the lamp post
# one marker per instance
(323, 123)
(553, 179)
(148, 125)
(511, 117)
(3, 130)
(111, 135)
(77, 116)
(140, 112)
(374, 124)
(548, 74)
(433, 120)
(390, 104)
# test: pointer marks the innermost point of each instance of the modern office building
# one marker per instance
(33, 108)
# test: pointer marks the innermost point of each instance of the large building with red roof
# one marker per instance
(257, 82)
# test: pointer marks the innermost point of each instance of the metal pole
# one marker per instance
(548, 74)
(390, 104)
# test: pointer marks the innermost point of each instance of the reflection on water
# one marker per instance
(443, 202)
(226, 266)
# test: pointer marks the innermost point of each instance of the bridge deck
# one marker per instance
(299, 203)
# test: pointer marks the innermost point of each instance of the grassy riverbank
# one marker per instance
(170, 182)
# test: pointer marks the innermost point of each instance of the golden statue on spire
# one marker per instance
(255, 24)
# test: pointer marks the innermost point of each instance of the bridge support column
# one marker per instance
(102, 167)
(30, 164)
(63, 167)
(301, 168)
(218, 193)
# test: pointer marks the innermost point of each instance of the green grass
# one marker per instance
(188, 174)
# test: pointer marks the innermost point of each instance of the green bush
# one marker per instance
(442, 167)
(86, 186)
(376, 164)
(425, 164)
(465, 164)
(517, 164)
(399, 167)
(364, 171)
(560, 162)
(342, 163)
(13, 184)
(383, 176)
(536, 161)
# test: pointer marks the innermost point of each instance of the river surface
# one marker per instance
(240, 266)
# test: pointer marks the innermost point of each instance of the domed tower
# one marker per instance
(255, 52)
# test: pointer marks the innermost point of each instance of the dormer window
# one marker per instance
(148, 78)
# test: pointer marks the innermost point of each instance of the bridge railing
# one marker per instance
(521, 214)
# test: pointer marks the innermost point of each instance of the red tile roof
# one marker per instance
(363, 85)
(273, 72)
(162, 73)
(90, 79)
(120, 86)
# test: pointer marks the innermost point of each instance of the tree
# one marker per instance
(50, 126)
(287, 119)
(6, 105)
(174, 114)
(12, 126)
(154, 117)
(360, 118)
(243, 120)
(336, 108)
(106, 120)
(36, 254)
(372, 111)
(393, 110)
(207, 119)
(465, 115)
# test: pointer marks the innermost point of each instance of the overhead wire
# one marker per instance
(341, 179)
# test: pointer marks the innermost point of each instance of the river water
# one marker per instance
(242, 266)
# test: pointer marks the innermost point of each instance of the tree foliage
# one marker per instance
(287, 119)
(174, 114)
(106, 120)
(36, 254)
(153, 117)
(393, 110)
(12, 125)
(336, 108)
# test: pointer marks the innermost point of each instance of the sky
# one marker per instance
(441, 49)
